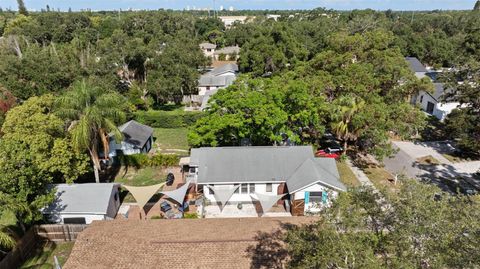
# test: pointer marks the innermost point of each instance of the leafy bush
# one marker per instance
(157, 217)
(142, 160)
(190, 215)
(167, 119)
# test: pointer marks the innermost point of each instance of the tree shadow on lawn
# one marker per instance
(270, 249)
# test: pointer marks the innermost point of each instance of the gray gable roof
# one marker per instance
(220, 81)
(207, 45)
(315, 170)
(228, 50)
(90, 198)
(230, 67)
(295, 165)
(136, 133)
(415, 65)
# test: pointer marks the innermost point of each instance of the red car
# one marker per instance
(329, 153)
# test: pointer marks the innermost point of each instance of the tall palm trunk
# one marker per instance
(96, 162)
(105, 142)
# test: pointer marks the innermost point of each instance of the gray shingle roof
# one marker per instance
(230, 67)
(415, 64)
(90, 198)
(315, 170)
(440, 91)
(295, 165)
(207, 45)
(228, 50)
(136, 133)
(220, 81)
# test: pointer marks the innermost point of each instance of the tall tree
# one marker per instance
(477, 6)
(21, 8)
(345, 108)
(35, 152)
(93, 113)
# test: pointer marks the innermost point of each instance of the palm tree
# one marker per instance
(92, 113)
(6, 239)
(345, 108)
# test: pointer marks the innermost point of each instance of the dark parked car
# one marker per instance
(170, 179)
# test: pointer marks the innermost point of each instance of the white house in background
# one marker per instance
(228, 21)
(290, 177)
(229, 52)
(137, 138)
(83, 203)
(208, 49)
(431, 103)
(275, 17)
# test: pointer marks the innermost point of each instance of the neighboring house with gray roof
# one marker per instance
(137, 138)
(83, 203)
(230, 53)
(432, 103)
(307, 182)
(208, 49)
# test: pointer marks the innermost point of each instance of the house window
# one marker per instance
(430, 107)
(244, 188)
(209, 50)
(74, 221)
(269, 187)
(208, 88)
(316, 197)
(252, 187)
(421, 98)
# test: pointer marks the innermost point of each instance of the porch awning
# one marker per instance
(179, 194)
(266, 200)
(143, 194)
(223, 193)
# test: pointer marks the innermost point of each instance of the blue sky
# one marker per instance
(245, 4)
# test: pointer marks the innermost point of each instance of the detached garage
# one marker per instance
(83, 203)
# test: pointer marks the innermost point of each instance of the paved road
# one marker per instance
(404, 162)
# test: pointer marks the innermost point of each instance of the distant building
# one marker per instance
(230, 53)
(275, 17)
(218, 78)
(83, 203)
(432, 103)
(208, 49)
(228, 21)
(137, 138)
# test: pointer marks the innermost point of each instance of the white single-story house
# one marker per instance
(228, 21)
(287, 175)
(83, 203)
(432, 103)
(137, 138)
(208, 49)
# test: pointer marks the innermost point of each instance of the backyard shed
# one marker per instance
(83, 203)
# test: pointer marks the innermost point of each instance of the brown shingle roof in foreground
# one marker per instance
(184, 243)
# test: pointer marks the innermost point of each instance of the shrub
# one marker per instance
(193, 215)
(142, 160)
(167, 119)
(157, 217)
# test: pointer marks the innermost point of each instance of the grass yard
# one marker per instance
(381, 178)
(171, 140)
(140, 177)
(42, 258)
(428, 160)
(346, 175)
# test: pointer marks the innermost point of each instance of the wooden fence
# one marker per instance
(59, 232)
(36, 235)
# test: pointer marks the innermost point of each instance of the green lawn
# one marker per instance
(42, 258)
(171, 140)
(140, 177)
(381, 178)
(428, 160)
(346, 175)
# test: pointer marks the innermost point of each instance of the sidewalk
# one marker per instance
(364, 180)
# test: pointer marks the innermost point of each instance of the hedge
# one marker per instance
(143, 160)
(167, 119)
